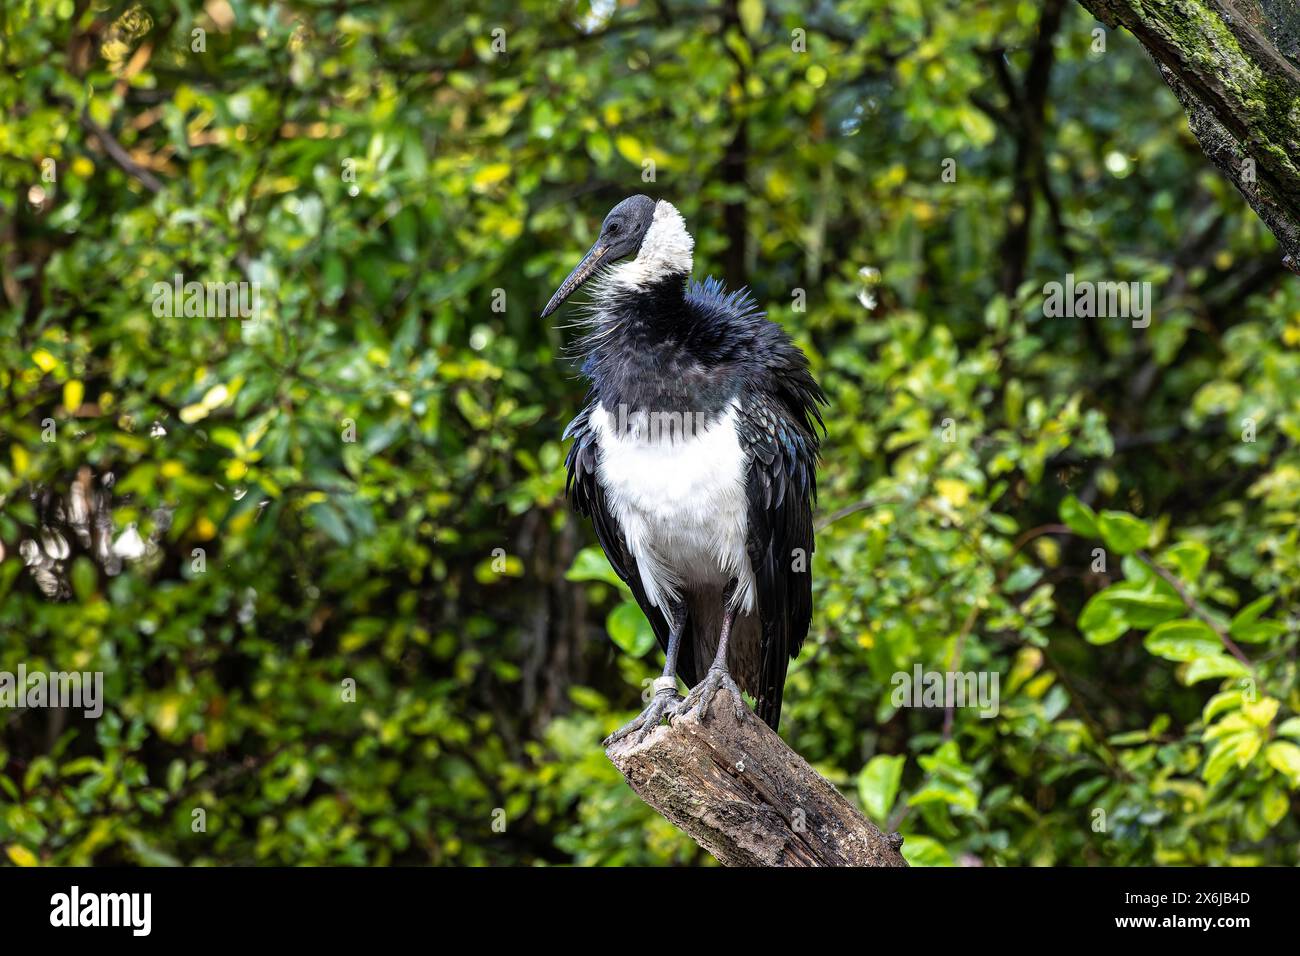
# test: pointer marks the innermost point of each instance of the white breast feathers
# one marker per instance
(678, 493)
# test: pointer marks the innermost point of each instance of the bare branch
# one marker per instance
(120, 156)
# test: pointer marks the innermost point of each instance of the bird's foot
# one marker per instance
(664, 704)
(702, 694)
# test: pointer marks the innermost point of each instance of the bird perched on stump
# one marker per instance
(695, 458)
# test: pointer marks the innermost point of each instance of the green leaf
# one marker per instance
(1145, 607)
(1289, 728)
(588, 699)
(1250, 613)
(1188, 558)
(878, 785)
(1102, 621)
(1247, 747)
(1273, 804)
(1129, 738)
(599, 147)
(73, 393)
(1183, 641)
(228, 438)
(1212, 667)
(945, 792)
(1221, 759)
(1111, 612)
(19, 855)
(1079, 518)
(1247, 628)
(925, 851)
(175, 775)
(329, 520)
(85, 578)
(1284, 757)
(1142, 576)
(751, 16)
(630, 148)
(1122, 532)
(491, 174)
(1231, 724)
(1021, 579)
(629, 629)
(1261, 712)
(1221, 704)
(590, 564)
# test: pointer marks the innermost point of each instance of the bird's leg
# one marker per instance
(718, 677)
(665, 703)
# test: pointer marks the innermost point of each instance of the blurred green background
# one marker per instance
(408, 182)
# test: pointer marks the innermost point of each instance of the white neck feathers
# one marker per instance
(665, 250)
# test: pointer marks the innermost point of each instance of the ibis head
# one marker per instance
(620, 236)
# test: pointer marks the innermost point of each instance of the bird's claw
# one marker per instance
(664, 704)
(702, 694)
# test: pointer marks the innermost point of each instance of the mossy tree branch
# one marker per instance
(1235, 67)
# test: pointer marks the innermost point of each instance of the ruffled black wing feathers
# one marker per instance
(778, 418)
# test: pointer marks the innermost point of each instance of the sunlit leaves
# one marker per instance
(1183, 640)
(19, 855)
(592, 565)
(878, 784)
(1122, 532)
(1284, 757)
(1246, 625)
(629, 629)
(1111, 612)
(925, 851)
(1079, 517)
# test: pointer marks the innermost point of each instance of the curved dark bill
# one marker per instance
(581, 273)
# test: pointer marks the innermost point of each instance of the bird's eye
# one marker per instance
(613, 227)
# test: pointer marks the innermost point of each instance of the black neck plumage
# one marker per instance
(651, 351)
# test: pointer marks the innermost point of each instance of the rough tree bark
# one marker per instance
(1235, 67)
(736, 789)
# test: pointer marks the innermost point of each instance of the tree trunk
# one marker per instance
(1235, 67)
(738, 791)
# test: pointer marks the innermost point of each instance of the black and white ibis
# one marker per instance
(695, 458)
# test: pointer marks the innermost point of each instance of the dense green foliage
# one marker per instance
(408, 196)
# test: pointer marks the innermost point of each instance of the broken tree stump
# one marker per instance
(737, 789)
